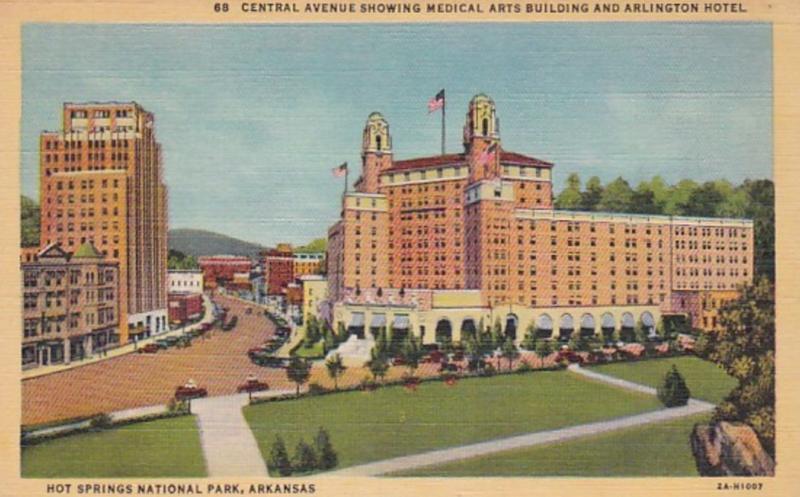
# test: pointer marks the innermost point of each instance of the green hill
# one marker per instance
(201, 242)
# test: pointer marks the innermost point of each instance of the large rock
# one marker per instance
(730, 449)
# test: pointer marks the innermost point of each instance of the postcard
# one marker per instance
(399, 248)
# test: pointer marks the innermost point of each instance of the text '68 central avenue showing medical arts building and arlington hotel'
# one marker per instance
(438, 244)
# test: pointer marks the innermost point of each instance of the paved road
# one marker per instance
(229, 446)
(531, 439)
(219, 363)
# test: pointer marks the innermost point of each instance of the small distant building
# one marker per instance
(278, 270)
(219, 270)
(184, 307)
(702, 307)
(70, 305)
(307, 263)
(294, 301)
(185, 280)
(315, 292)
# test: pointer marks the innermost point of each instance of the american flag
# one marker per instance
(340, 170)
(436, 102)
(488, 155)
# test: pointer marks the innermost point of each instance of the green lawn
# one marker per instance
(393, 422)
(318, 350)
(654, 450)
(705, 379)
(162, 448)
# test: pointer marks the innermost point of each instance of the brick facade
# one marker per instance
(484, 220)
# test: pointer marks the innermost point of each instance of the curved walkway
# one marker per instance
(538, 438)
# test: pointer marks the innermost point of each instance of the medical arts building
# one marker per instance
(436, 245)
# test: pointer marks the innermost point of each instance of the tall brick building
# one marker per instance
(101, 182)
(477, 232)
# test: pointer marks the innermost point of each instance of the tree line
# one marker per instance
(752, 199)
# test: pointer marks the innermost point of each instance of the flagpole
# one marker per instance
(346, 172)
(444, 106)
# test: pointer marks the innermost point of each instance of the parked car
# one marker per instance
(150, 348)
(252, 386)
(188, 392)
(162, 343)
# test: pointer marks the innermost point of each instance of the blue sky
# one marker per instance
(253, 118)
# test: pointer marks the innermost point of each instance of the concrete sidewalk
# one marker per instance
(122, 350)
(229, 446)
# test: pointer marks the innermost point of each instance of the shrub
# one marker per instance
(279, 458)
(674, 392)
(305, 460)
(524, 367)
(101, 422)
(328, 459)
(316, 389)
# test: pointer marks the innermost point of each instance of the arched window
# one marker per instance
(378, 142)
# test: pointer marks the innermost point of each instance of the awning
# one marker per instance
(608, 321)
(647, 320)
(401, 322)
(358, 320)
(378, 321)
(587, 321)
(567, 322)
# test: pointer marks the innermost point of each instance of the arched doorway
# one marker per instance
(544, 326)
(444, 331)
(608, 325)
(587, 325)
(627, 332)
(566, 327)
(649, 323)
(468, 329)
(511, 326)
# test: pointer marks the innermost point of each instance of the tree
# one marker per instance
(312, 331)
(673, 392)
(510, 352)
(616, 197)
(761, 209)
(279, 458)
(543, 349)
(472, 349)
(305, 460)
(529, 342)
(570, 197)
(412, 353)
(328, 337)
(298, 372)
(341, 332)
(590, 197)
(377, 365)
(744, 346)
(29, 222)
(643, 200)
(497, 333)
(326, 456)
(703, 201)
(335, 368)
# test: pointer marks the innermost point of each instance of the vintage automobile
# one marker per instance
(252, 385)
(150, 348)
(190, 391)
